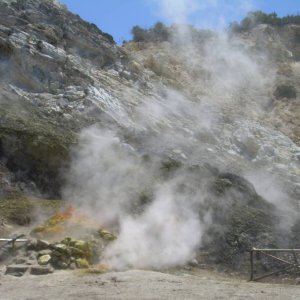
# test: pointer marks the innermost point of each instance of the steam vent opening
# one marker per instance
(6, 51)
(158, 160)
(285, 91)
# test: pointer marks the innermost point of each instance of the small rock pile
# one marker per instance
(71, 253)
(40, 257)
(26, 260)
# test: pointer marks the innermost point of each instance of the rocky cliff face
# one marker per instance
(52, 85)
(226, 103)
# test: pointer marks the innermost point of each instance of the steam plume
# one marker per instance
(108, 176)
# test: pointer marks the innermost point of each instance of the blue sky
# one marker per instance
(117, 17)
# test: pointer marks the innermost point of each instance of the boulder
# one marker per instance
(37, 245)
(241, 219)
(82, 263)
(80, 248)
(60, 249)
(16, 270)
(72, 252)
(44, 260)
(106, 235)
(41, 270)
(61, 265)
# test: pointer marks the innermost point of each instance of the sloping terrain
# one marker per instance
(196, 136)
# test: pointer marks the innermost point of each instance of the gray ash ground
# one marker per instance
(141, 284)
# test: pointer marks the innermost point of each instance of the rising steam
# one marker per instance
(108, 176)
(176, 11)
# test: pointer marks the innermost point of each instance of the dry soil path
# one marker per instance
(139, 285)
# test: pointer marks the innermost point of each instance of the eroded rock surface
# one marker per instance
(223, 109)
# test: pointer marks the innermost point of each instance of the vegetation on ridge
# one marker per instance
(159, 32)
(255, 18)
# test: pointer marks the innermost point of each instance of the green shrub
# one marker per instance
(258, 17)
(160, 33)
(157, 33)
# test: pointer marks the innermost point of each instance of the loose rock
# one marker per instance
(44, 260)
(41, 270)
(16, 270)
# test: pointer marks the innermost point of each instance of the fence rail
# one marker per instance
(13, 241)
(267, 252)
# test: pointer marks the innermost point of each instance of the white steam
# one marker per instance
(105, 175)
(271, 188)
(108, 176)
(108, 180)
(176, 11)
(215, 14)
(166, 234)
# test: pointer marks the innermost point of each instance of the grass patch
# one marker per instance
(24, 210)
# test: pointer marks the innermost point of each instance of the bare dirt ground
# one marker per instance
(137, 284)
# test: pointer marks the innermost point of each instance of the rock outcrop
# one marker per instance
(52, 85)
